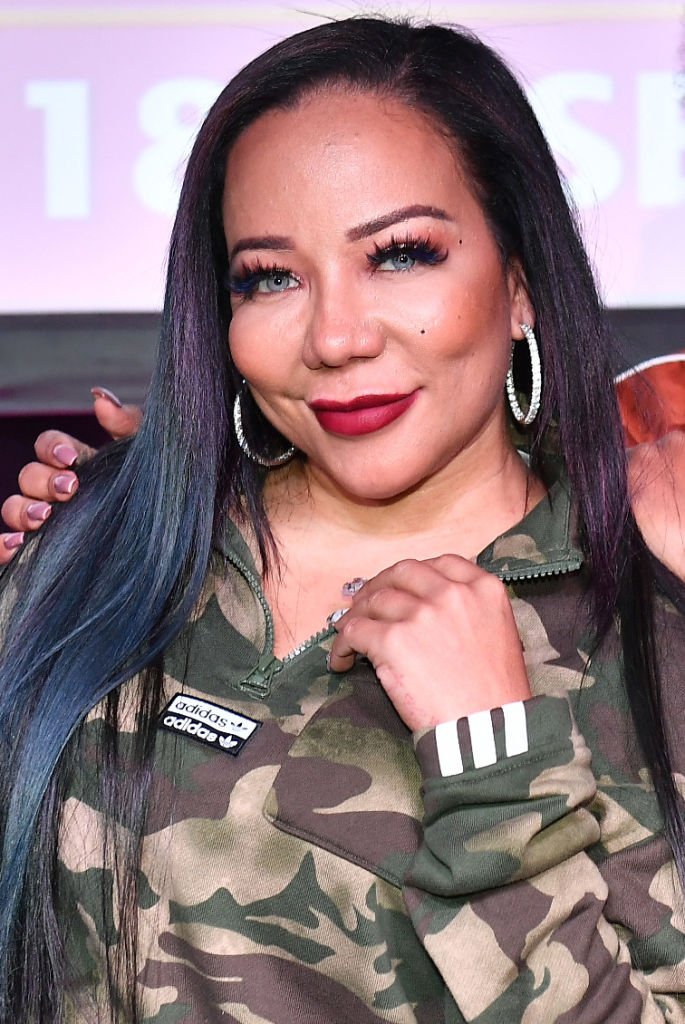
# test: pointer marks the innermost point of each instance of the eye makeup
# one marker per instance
(407, 251)
(271, 279)
(248, 280)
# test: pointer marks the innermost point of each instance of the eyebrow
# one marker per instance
(283, 243)
(395, 217)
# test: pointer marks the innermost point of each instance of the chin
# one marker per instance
(375, 488)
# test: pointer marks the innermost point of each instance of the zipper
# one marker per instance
(259, 681)
(521, 575)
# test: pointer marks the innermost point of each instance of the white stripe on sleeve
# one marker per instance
(482, 739)
(449, 754)
(515, 728)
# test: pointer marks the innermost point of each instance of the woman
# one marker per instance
(220, 807)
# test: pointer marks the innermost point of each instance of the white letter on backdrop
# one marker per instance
(169, 114)
(661, 149)
(596, 163)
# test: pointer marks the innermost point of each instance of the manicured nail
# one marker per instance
(13, 540)
(65, 484)
(38, 511)
(355, 585)
(65, 454)
(336, 616)
(107, 394)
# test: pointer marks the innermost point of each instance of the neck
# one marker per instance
(472, 500)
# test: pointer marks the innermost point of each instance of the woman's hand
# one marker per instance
(441, 637)
(51, 478)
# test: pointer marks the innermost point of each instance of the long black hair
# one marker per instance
(119, 572)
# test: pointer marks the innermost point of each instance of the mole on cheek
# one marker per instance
(422, 331)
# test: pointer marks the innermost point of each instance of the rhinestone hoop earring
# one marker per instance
(261, 460)
(526, 418)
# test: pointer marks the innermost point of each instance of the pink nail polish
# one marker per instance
(65, 484)
(65, 454)
(13, 540)
(38, 511)
(106, 394)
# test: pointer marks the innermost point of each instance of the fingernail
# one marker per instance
(13, 540)
(351, 588)
(65, 484)
(65, 454)
(38, 511)
(328, 662)
(336, 616)
(107, 394)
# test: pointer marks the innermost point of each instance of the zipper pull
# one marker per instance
(258, 682)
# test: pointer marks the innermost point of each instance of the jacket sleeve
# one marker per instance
(504, 892)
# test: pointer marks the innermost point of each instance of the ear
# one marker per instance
(521, 307)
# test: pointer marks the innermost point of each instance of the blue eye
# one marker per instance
(262, 280)
(398, 261)
(405, 254)
(275, 281)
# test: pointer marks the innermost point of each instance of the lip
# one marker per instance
(364, 414)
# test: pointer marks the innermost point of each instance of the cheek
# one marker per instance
(253, 343)
(264, 355)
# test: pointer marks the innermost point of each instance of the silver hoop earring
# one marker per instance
(526, 418)
(261, 460)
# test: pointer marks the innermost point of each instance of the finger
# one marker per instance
(423, 579)
(9, 545)
(352, 639)
(42, 483)
(117, 419)
(389, 604)
(59, 450)
(458, 569)
(22, 513)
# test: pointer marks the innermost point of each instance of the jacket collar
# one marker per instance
(545, 542)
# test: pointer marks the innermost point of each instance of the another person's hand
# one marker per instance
(441, 637)
(50, 478)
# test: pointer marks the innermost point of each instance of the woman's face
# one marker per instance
(372, 315)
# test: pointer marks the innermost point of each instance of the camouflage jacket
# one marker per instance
(307, 860)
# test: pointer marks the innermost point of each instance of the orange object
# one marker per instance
(652, 398)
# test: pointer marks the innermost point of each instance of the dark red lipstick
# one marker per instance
(362, 415)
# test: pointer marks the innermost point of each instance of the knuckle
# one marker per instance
(406, 567)
(378, 599)
(447, 562)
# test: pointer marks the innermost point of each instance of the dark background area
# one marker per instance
(48, 365)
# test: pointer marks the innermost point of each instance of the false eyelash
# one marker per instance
(421, 249)
(245, 282)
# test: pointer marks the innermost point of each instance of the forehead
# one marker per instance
(338, 156)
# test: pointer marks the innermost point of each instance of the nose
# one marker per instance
(341, 327)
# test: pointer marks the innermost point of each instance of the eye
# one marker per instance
(402, 260)
(405, 254)
(261, 280)
(276, 281)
